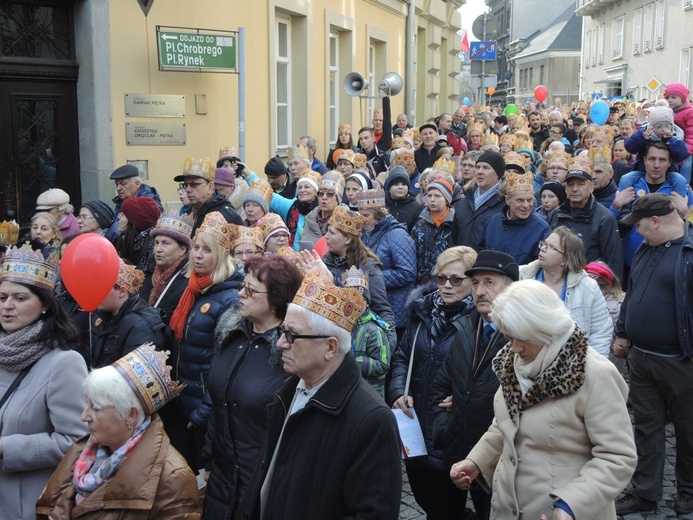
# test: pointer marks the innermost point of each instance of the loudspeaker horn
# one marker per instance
(354, 84)
(391, 84)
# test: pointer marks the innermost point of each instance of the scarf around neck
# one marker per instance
(161, 277)
(20, 350)
(196, 284)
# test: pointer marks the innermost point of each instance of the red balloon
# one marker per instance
(89, 269)
(321, 247)
(541, 93)
(464, 108)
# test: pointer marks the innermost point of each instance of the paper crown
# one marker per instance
(519, 182)
(405, 159)
(522, 140)
(262, 187)
(215, 225)
(298, 152)
(269, 224)
(371, 199)
(198, 168)
(490, 138)
(342, 306)
(555, 157)
(9, 233)
(607, 131)
(445, 166)
(354, 277)
(346, 221)
(397, 142)
(311, 177)
(24, 265)
(228, 152)
(507, 138)
(247, 235)
(346, 155)
(149, 377)
(177, 226)
(334, 182)
(581, 163)
(360, 161)
(291, 255)
(344, 127)
(377, 112)
(514, 158)
(476, 127)
(129, 277)
(600, 154)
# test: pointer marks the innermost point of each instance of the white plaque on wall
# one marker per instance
(154, 105)
(155, 134)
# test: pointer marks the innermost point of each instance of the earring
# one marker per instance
(43, 312)
(129, 426)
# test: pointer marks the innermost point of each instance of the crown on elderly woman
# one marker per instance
(298, 152)
(24, 265)
(173, 221)
(247, 235)
(444, 165)
(607, 131)
(557, 156)
(518, 182)
(215, 225)
(312, 177)
(262, 187)
(507, 138)
(360, 161)
(149, 377)
(371, 199)
(477, 127)
(346, 155)
(129, 277)
(342, 306)
(344, 127)
(9, 233)
(199, 168)
(378, 112)
(228, 152)
(354, 277)
(600, 154)
(346, 221)
(271, 223)
(333, 181)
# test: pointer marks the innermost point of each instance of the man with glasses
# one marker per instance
(198, 180)
(465, 386)
(332, 447)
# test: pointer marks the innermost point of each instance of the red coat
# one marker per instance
(683, 118)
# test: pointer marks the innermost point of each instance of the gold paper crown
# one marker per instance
(519, 182)
(490, 138)
(523, 141)
(298, 152)
(606, 130)
(445, 166)
(346, 221)
(312, 177)
(371, 199)
(342, 306)
(554, 157)
(354, 277)
(378, 112)
(346, 155)
(405, 159)
(360, 161)
(227, 152)
(291, 255)
(262, 187)
(344, 127)
(149, 377)
(600, 154)
(409, 132)
(247, 235)
(477, 127)
(581, 163)
(333, 181)
(397, 142)
(507, 138)
(215, 225)
(9, 233)
(198, 168)
(269, 224)
(517, 159)
(24, 265)
(129, 277)
(171, 220)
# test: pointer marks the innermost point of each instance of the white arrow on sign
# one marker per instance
(168, 37)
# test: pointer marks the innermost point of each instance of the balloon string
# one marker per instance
(91, 351)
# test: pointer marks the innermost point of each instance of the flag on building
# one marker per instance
(464, 42)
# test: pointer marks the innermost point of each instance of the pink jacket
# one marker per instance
(683, 118)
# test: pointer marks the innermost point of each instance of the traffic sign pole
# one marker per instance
(241, 92)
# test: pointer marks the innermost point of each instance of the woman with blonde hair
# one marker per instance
(44, 234)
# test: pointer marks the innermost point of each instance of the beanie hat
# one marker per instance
(175, 226)
(225, 177)
(260, 192)
(397, 174)
(495, 160)
(677, 89)
(661, 114)
(102, 212)
(556, 188)
(442, 186)
(362, 179)
(142, 212)
(275, 167)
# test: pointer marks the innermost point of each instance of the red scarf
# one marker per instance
(196, 284)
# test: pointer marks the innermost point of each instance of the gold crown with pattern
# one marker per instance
(311, 177)
(581, 163)
(354, 277)
(607, 131)
(477, 127)
(171, 220)
(371, 199)
(247, 235)
(360, 161)
(507, 138)
(444, 165)
(262, 187)
(342, 306)
(24, 265)
(405, 159)
(490, 138)
(129, 277)
(9, 233)
(202, 168)
(346, 155)
(271, 223)
(291, 255)
(346, 221)
(397, 142)
(215, 225)
(517, 159)
(600, 154)
(344, 127)
(149, 377)
(334, 182)
(298, 152)
(557, 156)
(519, 182)
(523, 141)
(227, 152)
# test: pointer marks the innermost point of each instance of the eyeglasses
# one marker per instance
(327, 194)
(544, 245)
(280, 236)
(291, 337)
(192, 184)
(245, 287)
(85, 217)
(243, 254)
(455, 281)
(556, 169)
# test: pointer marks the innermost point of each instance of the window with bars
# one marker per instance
(35, 32)
(334, 86)
(637, 31)
(283, 82)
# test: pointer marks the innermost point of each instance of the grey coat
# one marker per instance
(38, 425)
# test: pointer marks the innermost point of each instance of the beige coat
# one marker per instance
(577, 447)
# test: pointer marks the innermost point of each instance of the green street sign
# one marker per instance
(196, 51)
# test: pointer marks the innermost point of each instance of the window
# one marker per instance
(372, 85)
(541, 75)
(600, 44)
(659, 24)
(531, 76)
(617, 38)
(593, 50)
(685, 66)
(648, 27)
(283, 82)
(637, 31)
(334, 86)
(587, 49)
(687, 4)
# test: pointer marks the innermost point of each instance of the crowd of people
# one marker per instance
(486, 274)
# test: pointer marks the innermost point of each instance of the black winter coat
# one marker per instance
(406, 211)
(246, 372)
(170, 296)
(470, 223)
(217, 202)
(115, 336)
(339, 456)
(455, 432)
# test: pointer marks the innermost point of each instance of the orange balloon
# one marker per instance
(491, 91)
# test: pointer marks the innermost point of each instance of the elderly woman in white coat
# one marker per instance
(561, 443)
(561, 266)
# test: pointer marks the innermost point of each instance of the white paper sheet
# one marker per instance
(413, 444)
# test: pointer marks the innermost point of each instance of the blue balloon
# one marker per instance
(466, 102)
(599, 112)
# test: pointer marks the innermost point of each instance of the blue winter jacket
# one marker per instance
(395, 248)
(637, 142)
(517, 237)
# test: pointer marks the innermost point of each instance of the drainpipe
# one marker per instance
(410, 54)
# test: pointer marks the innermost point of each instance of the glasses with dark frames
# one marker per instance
(291, 337)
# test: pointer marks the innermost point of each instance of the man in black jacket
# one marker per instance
(464, 388)
(537, 131)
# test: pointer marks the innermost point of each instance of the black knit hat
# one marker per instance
(495, 160)
(102, 212)
(275, 167)
(556, 188)
(397, 174)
